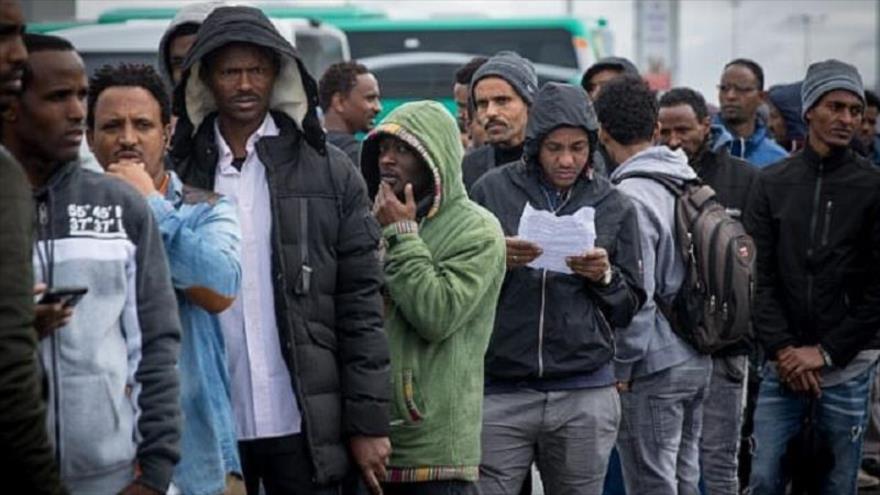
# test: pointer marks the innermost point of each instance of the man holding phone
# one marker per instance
(114, 411)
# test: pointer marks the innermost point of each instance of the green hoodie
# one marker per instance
(443, 283)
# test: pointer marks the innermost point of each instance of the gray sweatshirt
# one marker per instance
(648, 344)
(113, 385)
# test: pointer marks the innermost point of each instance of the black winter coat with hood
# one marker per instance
(325, 263)
(816, 225)
(551, 325)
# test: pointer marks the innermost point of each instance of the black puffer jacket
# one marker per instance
(549, 324)
(329, 324)
(816, 225)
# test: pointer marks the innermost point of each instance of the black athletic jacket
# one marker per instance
(816, 223)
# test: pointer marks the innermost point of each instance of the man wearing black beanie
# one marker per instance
(502, 91)
(815, 217)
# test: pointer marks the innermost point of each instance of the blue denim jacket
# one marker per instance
(201, 235)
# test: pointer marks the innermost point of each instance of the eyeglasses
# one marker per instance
(724, 88)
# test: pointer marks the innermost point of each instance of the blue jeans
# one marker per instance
(660, 429)
(779, 416)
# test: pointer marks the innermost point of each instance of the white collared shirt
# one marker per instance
(262, 391)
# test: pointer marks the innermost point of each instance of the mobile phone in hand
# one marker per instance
(67, 296)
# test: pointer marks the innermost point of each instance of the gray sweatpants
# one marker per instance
(569, 434)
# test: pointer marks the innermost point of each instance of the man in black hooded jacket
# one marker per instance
(308, 359)
(550, 385)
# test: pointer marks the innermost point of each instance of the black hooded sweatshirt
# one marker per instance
(554, 331)
(325, 266)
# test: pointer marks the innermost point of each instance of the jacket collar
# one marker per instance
(837, 158)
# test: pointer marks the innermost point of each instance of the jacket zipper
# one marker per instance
(827, 226)
(541, 324)
(43, 218)
(811, 251)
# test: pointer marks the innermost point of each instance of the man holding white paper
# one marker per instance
(573, 276)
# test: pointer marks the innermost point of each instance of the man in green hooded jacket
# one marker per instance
(444, 264)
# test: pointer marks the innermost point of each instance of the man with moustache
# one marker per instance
(26, 456)
(128, 129)
(501, 92)
(113, 390)
(472, 134)
(815, 218)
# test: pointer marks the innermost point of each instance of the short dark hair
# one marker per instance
(627, 109)
(210, 59)
(871, 99)
(339, 78)
(35, 42)
(753, 66)
(465, 73)
(131, 76)
(686, 96)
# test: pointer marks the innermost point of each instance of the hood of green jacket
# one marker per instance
(428, 128)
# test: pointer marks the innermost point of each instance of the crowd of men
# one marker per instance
(265, 290)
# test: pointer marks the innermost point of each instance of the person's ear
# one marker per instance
(706, 124)
(337, 102)
(655, 137)
(10, 114)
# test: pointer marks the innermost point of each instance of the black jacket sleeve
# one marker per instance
(768, 310)
(860, 326)
(26, 457)
(363, 347)
(625, 295)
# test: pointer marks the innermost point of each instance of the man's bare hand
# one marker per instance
(49, 317)
(135, 174)
(388, 209)
(521, 252)
(793, 361)
(371, 454)
(592, 265)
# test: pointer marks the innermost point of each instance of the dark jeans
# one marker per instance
(431, 488)
(282, 465)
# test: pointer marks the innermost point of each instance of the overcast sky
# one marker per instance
(770, 32)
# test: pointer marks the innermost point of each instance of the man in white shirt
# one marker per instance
(308, 359)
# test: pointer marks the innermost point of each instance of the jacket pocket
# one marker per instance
(407, 400)
(97, 426)
(322, 336)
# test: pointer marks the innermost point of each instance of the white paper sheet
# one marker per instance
(558, 236)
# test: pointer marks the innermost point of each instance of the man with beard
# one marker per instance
(501, 93)
(26, 456)
(815, 218)
(112, 376)
(308, 359)
(349, 96)
(685, 124)
(740, 93)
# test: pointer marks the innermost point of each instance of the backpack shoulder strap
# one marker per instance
(670, 185)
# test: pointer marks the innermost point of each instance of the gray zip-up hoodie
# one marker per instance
(113, 385)
(648, 344)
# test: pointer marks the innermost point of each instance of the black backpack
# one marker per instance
(712, 309)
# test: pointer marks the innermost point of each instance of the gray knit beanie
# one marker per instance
(516, 70)
(827, 76)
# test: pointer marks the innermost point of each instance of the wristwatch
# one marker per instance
(606, 278)
(826, 358)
